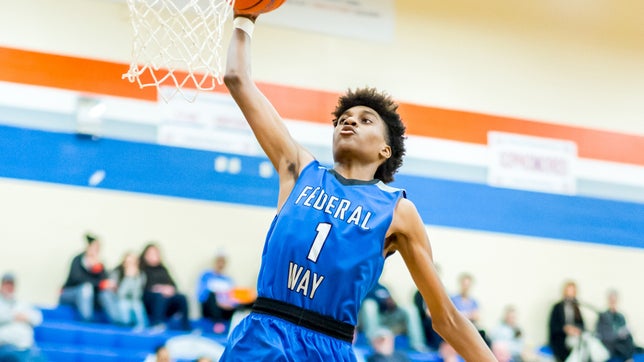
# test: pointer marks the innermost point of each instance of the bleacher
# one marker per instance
(62, 338)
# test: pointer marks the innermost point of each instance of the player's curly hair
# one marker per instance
(387, 109)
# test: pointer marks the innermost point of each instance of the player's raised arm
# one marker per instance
(409, 237)
(287, 156)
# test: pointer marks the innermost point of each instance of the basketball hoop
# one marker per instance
(177, 44)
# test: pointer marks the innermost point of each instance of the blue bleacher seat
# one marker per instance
(91, 355)
(401, 342)
(98, 338)
(545, 351)
(141, 342)
(56, 333)
(59, 313)
(424, 357)
(58, 352)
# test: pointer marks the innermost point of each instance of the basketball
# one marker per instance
(254, 7)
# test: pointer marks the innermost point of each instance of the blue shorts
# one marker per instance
(261, 337)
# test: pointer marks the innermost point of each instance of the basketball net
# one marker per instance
(177, 45)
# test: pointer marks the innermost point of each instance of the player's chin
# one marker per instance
(353, 151)
(345, 145)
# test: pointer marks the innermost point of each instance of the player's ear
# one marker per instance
(385, 151)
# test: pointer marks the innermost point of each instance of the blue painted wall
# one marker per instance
(153, 169)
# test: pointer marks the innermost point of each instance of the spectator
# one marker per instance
(383, 343)
(502, 351)
(464, 302)
(432, 339)
(613, 332)
(130, 282)
(379, 309)
(17, 322)
(215, 292)
(160, 296)
(508, 335)
(448, 353)
(468, 305)
(88, 286)
(161, 354)
(565, 320)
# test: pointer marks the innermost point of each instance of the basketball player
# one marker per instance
(333, 229)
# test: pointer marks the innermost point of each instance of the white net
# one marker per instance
(177, 44)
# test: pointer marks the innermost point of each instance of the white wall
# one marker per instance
(449, 57)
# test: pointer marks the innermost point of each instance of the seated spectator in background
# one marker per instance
(509, 334)
(383, 342)
(160, 296)
(88, 287)
(130, 282)
(187, 347)
(161, 354)
(468, 305)
(216, 292)
(432, 339)
(613, 332)
(448, 353)
(379, 309)
(17, 322)
(502, 351)
(565, 320)
(464, 302)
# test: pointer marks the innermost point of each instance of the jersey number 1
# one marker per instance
(323, 230)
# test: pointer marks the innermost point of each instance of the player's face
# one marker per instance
(360, 131)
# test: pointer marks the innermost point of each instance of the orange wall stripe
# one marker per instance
(102, 77)
(85, 75)
(474, 127)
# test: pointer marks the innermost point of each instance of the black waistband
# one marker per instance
(305, 318)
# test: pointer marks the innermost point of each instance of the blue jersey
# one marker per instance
(324, 250)
(323, 253)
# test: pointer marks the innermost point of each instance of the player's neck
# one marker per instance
(355, 172)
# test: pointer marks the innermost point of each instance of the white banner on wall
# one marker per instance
(212, 122)
(362, 19)
(532, 163)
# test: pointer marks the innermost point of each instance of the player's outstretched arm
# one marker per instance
(286, 155)
(409, 237)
